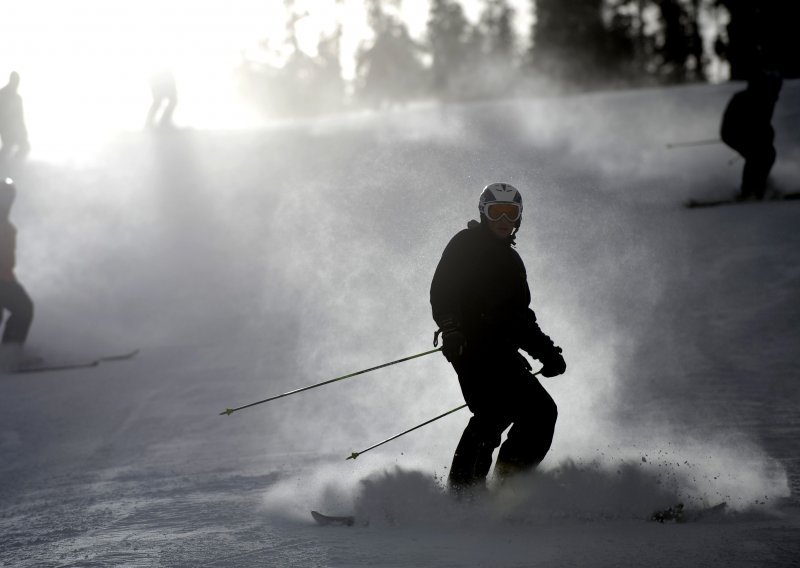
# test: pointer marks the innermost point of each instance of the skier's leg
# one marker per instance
(531, 435)
(473, 457)
(166, 115)
(756, 171)
(19, 304)
(150, 121)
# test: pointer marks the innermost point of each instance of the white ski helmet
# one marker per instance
(500, 193)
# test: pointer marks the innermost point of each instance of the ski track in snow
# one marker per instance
(245, 264)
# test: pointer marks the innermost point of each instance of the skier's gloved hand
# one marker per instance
(553, 363)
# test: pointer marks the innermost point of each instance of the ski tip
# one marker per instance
(327, 520)
(120, 357)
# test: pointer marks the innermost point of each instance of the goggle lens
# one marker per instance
(496, 210)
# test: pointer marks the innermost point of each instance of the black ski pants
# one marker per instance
(759, 155)
(501, 392)
(757, 166)
(15, 299)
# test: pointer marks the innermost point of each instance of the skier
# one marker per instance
(480, 301)
(13, 133)
(746, 127)
(13, 296)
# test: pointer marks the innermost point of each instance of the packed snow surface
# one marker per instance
(248, 263)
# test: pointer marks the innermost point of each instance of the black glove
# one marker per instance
(553, 363)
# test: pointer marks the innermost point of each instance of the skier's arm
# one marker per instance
(539, 345)
(446, 301)
(534, 340)
(447, 285)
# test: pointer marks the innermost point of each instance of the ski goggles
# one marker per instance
(512, 211)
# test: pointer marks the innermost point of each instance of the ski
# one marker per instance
(698, 203)
(327, 520)
(45, 367)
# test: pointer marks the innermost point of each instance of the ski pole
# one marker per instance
(694, 143)
(354, 455)
(229, 411)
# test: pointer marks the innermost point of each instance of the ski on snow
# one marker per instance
(327, 520)
(676, 514)
(46, 367)
(697, 203)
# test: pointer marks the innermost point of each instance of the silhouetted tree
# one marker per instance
(572, 42)
(452, 41)
(496, 27)
(303, 84)
(391, 68)
(679, 47)
(495, 70)
(597, 42)
(761, 36)
(630, 43)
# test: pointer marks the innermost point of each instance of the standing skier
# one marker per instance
(13, 133)
(747, 128)
(762, 48)
(12, 295)
(480, 301)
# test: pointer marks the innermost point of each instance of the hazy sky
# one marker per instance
(88, 60)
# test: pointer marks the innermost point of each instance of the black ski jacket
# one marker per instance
(481, 287)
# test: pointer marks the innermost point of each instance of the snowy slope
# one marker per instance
(248, 263)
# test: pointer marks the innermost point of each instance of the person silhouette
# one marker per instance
(13, 296)
(480, 300)
(165, 98)
(747, 128)
(13, 133)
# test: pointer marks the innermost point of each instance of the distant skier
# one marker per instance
(13, 296)
(480, 300)
(13, 133)
(165, 99)
(747, 128)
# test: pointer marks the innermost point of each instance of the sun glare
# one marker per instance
(85, 64)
